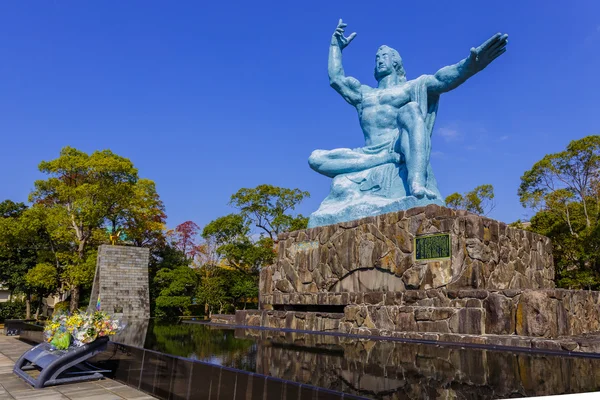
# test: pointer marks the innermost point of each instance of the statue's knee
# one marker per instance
(316, 159)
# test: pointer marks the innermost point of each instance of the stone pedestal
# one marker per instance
(378, 254)
(425, 273)
(121, 281)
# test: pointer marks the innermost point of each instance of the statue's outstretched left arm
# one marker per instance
(452, 76)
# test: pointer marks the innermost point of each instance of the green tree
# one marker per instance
(564, 177)
(85, 194)
(478, 201)
(21, 247)
(245, 239)
(10, 209)
(213, 291)
(563, 189)
(244, 288)
(43, 281)
(268, 207)
(234, 244)
(455, 201)
(82, 192)
(15, 255)
(239, 244)
(176, 287)
(162, 257)
(143, 216)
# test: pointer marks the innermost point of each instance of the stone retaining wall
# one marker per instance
(226, 319)
(549, 313)
(378, 254)
(496, 285)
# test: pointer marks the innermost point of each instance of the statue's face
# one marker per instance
(383, 63)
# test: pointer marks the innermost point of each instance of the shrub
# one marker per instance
(12, 310)
(171, 307)
(62, 307)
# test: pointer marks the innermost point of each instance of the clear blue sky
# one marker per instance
(208, 97)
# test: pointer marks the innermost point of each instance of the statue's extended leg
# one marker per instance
(341, 161)
(415, 149)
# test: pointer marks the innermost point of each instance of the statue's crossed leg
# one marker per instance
(413, 145)
(342, 161)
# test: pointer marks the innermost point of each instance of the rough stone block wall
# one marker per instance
(378, 254)
(363, 277)
(121, 281)
(544, 313)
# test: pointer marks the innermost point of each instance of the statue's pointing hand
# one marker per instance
(493, 48)
(338, 38)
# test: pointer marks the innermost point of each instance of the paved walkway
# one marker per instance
(13, 387)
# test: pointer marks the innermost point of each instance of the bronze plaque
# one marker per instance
(432, 247)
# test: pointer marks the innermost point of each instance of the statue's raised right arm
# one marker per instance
(347, 86)
(452, 76)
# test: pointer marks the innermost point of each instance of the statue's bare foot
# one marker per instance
(420, 191)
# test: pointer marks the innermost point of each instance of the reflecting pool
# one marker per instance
(378, 369)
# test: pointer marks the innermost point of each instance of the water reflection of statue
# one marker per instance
(392, 171)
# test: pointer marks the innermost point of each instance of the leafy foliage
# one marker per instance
(243, 242)
(43, 281)
(51, 245)
(12, 310)
(185, 238)
(200, 342)
(17, 246)
(232, 236)
(268, 208)
(176, 287)
(564, 190)
(82, 197)
(22, 246)
(62, 307)
(477, 201)
(143, 220)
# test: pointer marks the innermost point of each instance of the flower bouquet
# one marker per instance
(63, 331)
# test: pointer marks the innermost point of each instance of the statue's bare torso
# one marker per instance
(378, 112)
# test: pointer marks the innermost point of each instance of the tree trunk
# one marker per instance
(75, 290)
(206, 310)
(74, 304)
(587, 218)
(37, 310)
(28, 306)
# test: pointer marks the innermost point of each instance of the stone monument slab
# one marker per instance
(121, 281)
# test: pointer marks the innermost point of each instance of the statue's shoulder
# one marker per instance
(421, 80)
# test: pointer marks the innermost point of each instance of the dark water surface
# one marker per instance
(378, 369)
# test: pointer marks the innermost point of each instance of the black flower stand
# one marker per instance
(59, 366)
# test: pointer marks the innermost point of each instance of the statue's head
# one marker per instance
(388, 61)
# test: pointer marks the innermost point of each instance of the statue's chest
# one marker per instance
(395, 97)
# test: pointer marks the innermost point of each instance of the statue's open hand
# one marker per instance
(493, 48)
(338, 38)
